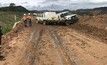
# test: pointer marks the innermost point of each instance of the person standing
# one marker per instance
(25, 20)
(1, 36)
(29, 19)
(1, 55)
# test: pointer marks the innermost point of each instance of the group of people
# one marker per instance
(27, 20)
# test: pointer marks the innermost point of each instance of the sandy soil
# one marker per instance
(47, 52)
(14, 49)
(86, 50)
(14, 45)
(83, 43)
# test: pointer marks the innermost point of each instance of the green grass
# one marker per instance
(8, 20)
(6, 28)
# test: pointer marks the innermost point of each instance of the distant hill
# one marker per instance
(95, 11)
(14, 9)
(102, 10)
(91, 12)
(41, 11)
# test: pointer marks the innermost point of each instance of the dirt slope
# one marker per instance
(14, 49)
(86, 50)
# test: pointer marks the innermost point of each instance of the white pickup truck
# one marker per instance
(53, 17)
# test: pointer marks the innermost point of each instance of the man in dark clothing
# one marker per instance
(1, 56)
(29, 19)
(0, 35)
(25, 20)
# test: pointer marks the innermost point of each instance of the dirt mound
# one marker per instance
(13, 33)
(9, 37)
(94, 26)
(91, 31)
(14, 44)
(99, 21)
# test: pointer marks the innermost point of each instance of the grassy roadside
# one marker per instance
(7, 20)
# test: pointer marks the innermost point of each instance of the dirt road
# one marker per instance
(55, 45)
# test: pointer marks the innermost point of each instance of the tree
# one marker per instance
(12, 4)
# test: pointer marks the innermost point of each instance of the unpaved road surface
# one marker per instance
(54, 45)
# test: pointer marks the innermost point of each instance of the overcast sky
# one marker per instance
(56, 4)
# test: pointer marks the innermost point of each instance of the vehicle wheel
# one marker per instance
(67, 23)
(44, 22)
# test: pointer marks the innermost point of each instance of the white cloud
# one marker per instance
(57, 4)
(21, 2)
(98, 1)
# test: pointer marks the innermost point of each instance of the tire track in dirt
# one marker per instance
(29, 55)
(50, 52)
(64, 53)
(87, 50)
(47, 53)
(44, 52)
